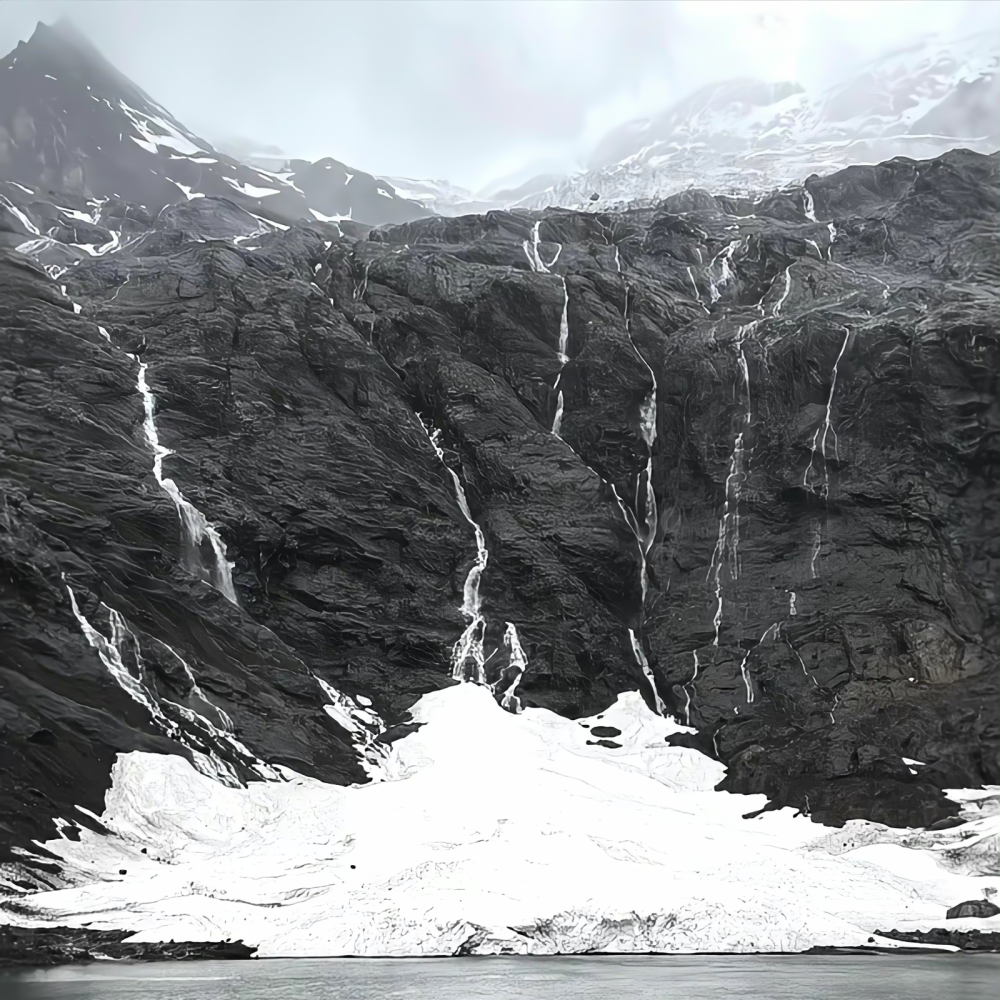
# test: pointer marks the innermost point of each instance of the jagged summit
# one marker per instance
(71, 123)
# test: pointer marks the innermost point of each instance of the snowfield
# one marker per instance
(488, 832)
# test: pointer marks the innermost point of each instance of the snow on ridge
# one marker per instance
(170, 136)
(250, 190)
(500, 833)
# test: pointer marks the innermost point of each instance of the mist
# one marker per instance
(468, 91)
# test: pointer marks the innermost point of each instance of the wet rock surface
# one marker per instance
(71, 945)
(771, 505)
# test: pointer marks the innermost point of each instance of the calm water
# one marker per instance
(841, 977)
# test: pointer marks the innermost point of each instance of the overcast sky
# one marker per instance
(468, 91)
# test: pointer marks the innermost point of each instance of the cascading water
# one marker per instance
(808, 205)
(533, 253)
(726, 273)
(195, 528)
(468, 658)
(563, 348)
(818, 482)
(729, 524)
(519, 661)
(640, 658)
(468, 655)
(112, 653)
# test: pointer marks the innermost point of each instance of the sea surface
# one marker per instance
(702, 977)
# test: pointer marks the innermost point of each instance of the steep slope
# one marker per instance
(733, 456)
(742, 135)
(71, 123)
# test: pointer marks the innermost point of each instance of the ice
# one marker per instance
(383, 192)
(614, 849)
(250, 190)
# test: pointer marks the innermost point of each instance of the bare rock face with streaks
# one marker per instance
(263, 488)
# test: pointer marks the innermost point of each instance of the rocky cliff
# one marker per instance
(263, 488)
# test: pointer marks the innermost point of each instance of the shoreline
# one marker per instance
(35, 948)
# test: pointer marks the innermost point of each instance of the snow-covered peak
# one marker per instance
(743, 134)
(70, 122)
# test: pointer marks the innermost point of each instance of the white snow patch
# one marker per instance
(186, 191)
(320, 217)
(169, 136)
(250, 190)
(517, 829)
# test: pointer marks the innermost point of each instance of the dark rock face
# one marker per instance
(70, 122)
(801, 534)
(966, 940)
(70, 945)
(973, 908)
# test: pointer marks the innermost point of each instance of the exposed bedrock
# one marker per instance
(775, 468)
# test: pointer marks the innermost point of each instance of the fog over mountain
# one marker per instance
(491, 89)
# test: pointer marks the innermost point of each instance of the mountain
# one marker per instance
(517, 583)
(71, 123)
(521, 582)
(743, 134)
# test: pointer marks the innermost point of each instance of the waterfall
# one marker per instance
(640, 658)
(195, 528)
(531, 251)
(824, 430)
(726, 273)
(563, 358)
(470, 644)
(729, 524)
(510, 701)
(112, 652)
(784, 295)
(689, 688)
(808, 206)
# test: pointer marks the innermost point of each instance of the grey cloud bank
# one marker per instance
(467, 91)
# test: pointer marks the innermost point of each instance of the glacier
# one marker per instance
(495, 833)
